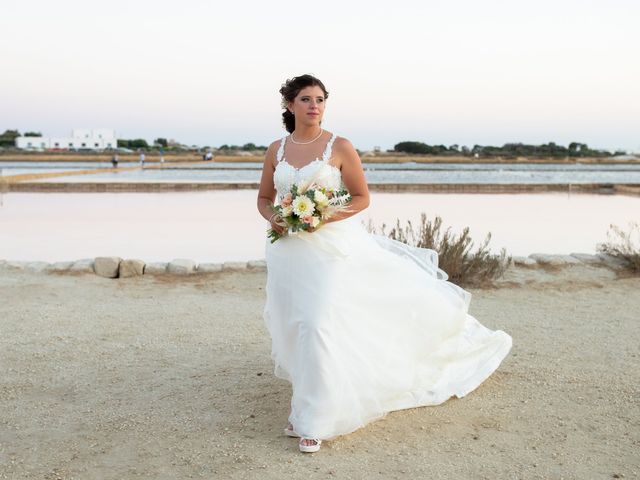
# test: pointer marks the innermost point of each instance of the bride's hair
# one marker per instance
(289, 92)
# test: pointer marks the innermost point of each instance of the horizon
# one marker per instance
(436, 73)
(151, 142)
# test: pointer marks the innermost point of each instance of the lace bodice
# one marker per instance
(325, 174)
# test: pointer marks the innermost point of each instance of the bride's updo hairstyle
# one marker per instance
(289, 92)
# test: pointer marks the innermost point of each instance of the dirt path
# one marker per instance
(171, 377)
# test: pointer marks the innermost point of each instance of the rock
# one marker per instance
(107, 266)
(257, 264)
(84, 265)
(612, 261)
(587, 258)
(555, 260)
(181, 266)
(131, 268)
(15, 265)
(523, 261)
(234, 266)
(155, 268)
(209, 267)
(59, 266)
(36, 267)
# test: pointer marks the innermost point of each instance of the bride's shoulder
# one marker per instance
(275, 144)
(344, 153)
(343, 147)
(271, 153)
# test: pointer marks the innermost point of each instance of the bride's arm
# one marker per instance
(352, 177)
(267, 191)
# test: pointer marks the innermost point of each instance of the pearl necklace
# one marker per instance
(310, 141)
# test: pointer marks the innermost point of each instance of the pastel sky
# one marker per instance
(208, 73)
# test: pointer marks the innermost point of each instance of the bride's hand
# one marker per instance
(277, 227)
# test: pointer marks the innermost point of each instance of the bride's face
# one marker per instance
(308, 106)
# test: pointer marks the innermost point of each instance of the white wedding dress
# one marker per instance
(362, 325)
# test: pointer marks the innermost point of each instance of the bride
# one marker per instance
(360, 324)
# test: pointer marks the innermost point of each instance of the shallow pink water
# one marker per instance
(215, 226)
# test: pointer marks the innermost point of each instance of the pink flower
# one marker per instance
(287, 199)
(308, 219)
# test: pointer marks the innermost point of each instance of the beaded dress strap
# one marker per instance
(280, 153)
(327, 151)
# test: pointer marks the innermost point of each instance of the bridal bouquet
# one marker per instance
(306, 206)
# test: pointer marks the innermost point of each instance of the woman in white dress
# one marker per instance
(360, 324)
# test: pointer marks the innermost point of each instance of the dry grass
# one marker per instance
(455, 256)
(624, 245)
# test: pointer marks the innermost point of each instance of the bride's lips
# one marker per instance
(313, 113)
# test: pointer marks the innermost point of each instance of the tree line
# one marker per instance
(508, 150)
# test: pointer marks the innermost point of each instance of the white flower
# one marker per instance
(303, 205)
(315, 222)
(321, 199)
(303, 186)
(287, 211)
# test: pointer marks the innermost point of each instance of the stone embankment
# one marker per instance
(116, 267)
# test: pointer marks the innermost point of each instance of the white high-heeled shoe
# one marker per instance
(290, 432)
(314, 447)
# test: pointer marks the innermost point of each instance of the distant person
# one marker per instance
(142, 157)
(209, 156)
(114, 160)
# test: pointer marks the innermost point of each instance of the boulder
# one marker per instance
(84, 265)
(555, 260)
(107, 266)
(612, 261)
(36, 267)
(131, 268)
(155, 268)
(15, 265)
(257, 264)
(59, 266)
(587, 258)
(523, 261)
(181, 266)
(209, 267)
(234, 266)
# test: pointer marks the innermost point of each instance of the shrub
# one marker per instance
(455, 256)
(624, 245)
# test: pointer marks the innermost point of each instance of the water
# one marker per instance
(383, 173)
(222, 225)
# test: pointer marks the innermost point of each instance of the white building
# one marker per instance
(80, 139)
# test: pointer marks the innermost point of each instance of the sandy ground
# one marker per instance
(167, 377)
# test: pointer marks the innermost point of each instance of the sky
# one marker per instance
(208, 73)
